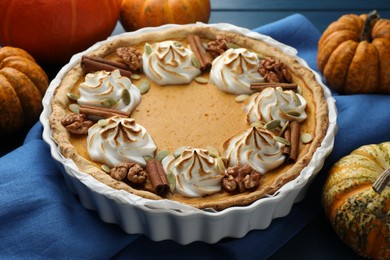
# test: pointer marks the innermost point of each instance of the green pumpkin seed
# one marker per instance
(126, 96)
(171, 181)
(306, 138)
(293, 113)
(144, 86)
(135, 76)
(213, 152)
(177, 44)
(296, 98)
(162, 154)
(201, 80)
(272, 124)
(102, 122)
(241, 98)
(105, 168)
(75, 108)
(281, 140)
(72, 96)
(221, 165)
(148, 49)
(147, 158)
(284, 127)
(179, 151)
(109, 102)
(195, 62)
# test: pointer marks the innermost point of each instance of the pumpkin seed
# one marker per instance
(144, 86)
(205, 45)
(126, 96)
(162, 154)
(75, 108)
(72, 96)
(296, 98)
(105, 168)
(281, 140)
(109, 102)
(102, 122)
(241, 98)
(221, 165)
(195, 62)
(284, 127)
(135, 76)
(147, 158)
(306, 138)
(171, 181)
(148, 49)
(201, 80)
(272, 124)
(177, 44)
(232, 45)
(293, 113)
(213, 152)
(179, 151)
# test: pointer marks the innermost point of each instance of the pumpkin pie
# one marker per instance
(191, 114)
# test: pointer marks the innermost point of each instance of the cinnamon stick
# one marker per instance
(199, 51)
(92, 64)
(157, 177)
(263, 85)
(294, 141)
(102, 112)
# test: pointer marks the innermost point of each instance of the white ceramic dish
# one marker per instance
(181, 223)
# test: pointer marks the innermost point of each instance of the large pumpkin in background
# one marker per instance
(53, 30)
(136, 14)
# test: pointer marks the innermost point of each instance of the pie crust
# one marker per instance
(74, 147)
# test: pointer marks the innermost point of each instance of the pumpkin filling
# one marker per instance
(210, 119)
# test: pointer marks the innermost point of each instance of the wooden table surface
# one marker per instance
(317, 240)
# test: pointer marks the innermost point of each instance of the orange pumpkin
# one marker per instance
(356, 199)
(22, 85)
(354, 54)
(52, 31)
(136, 14)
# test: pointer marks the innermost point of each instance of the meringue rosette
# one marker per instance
(275, 104)
(119, 139)
(169, 62)
(196, 172)
(235, 70)
(110, 90)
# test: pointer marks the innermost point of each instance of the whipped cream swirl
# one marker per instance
(275, 104)
(110, 90)
(255, 147)
(169, 62)
(119, 140)
(235, 70)
(196, 172)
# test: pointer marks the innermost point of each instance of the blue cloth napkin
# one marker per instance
(41, 218)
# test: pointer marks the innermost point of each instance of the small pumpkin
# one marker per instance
(136, 14)
(356, 199)
(354, 54)
(22, 85)
(52, 31)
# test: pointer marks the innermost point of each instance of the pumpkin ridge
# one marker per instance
(11, 113)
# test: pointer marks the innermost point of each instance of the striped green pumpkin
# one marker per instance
(359, 215)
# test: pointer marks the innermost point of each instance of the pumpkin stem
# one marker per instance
(382, 181)
(372, 17)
